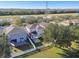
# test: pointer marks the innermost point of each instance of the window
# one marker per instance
(21, 39)
(34, 32)
(14, 40)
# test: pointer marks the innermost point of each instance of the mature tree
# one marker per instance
(6, 46)
(31, 20)
(47, 34)
(67, 37)
(40, 19)
(17, 21)
(75, 34)
(59, 35)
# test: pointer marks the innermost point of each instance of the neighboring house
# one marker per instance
(75, 21)
(9, 19)
(70, 22)
(5, 20)
(17, 36)
(53, 22)
(49, 17)
(2, 30)
(32, 33)
(36, 31)
(65, 23)
(24, 16)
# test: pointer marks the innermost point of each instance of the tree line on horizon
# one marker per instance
(35, 11)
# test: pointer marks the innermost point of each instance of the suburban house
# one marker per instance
(9, 19)
(49, 17)
(65, 23)
(1, 30)
(5, 20)
(36, 31)
(75, 22)
(17, 35)
(53, 22)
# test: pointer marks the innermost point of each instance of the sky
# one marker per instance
(23, 4)
(40, 4)
(64, 4)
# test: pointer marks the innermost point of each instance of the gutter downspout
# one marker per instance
(31, 41)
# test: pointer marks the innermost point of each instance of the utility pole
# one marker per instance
(47, 8)
(46, 11)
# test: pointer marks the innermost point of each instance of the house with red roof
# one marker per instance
(36, 30)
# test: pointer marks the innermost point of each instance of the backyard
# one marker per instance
(51, 52)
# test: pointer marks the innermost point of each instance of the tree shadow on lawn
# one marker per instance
(70, 53)
(34, 52)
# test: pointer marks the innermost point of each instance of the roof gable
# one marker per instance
(14, 29)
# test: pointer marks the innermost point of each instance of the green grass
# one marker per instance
(49, 52)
